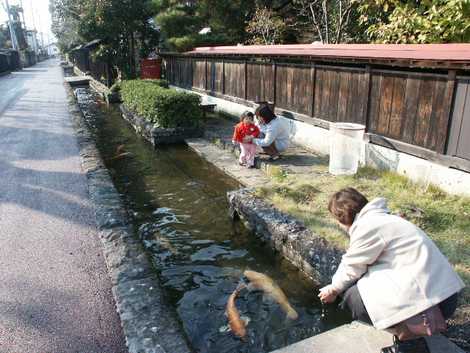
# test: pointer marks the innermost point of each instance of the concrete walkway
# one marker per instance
(360, 338)
(217, 147)
(55, 293)
(296, 160)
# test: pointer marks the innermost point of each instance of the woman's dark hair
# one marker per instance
(245, 114)
(345, 204)
(265, 113)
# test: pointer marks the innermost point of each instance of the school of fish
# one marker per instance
(257, 281)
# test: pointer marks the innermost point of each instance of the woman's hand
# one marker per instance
(328, 294)
(247, 139)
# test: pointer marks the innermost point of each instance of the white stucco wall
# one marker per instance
(317, 139)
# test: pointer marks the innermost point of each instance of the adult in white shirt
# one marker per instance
(274, 137)
(391, 272)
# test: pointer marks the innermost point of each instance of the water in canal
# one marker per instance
(177, 204)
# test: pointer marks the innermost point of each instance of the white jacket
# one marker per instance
(275, 131)
(399, 271)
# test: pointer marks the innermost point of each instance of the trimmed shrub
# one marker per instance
(161, 83)
(167, 108)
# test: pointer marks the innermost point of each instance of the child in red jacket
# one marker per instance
(244, 128)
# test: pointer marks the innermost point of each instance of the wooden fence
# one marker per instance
(407, 110)
(96, 68)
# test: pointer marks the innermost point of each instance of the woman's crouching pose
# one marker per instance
(392, 276)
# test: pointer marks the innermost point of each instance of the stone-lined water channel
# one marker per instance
(177, 204)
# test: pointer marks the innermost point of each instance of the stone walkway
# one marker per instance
(296, 160)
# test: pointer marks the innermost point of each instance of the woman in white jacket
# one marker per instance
(275, 134)
(391, 271)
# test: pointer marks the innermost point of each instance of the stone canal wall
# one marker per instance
(149, 323)
(312, 254)
(159, 136)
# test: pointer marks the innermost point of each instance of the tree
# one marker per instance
(431, 21)
(123, 27)
(328, 20)
(66, 15)
(265, 27)
(227, 17)
(181, 21)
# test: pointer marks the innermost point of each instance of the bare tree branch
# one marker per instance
(315, 22)
(327, 24)
(343, 19)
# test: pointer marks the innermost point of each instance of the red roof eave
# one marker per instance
(447, 54)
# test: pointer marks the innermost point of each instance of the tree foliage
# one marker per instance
(428, 21)
(330, 21)
(181, 21)
(65, 15)
(122, 26)
(266, 27)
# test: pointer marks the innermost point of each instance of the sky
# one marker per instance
(42, 17)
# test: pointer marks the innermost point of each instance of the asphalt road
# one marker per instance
(55, 293)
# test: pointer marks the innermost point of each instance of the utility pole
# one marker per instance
(22, 14)
(32, 13)
(41, 33)
(14, 41)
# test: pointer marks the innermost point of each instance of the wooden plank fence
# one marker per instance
(405, 109)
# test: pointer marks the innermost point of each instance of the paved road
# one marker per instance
(55, 294)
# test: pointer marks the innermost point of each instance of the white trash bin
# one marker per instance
(346, 144)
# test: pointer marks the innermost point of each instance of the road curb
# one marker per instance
(149, 324)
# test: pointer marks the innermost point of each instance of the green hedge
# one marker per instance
(165, 107)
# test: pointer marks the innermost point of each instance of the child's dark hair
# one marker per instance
(345, 204)
(246, 114)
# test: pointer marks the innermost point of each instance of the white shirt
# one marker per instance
(399, 269)
(275, 131)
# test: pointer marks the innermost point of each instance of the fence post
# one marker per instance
(205, 83)
(246, 80)
(191, 61)
(444, 129)
(223, 76)
(367, 96)
(274, 84)
(313, 73)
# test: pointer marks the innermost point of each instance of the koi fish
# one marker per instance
(236, 324)
(120, 153)
(259, 281)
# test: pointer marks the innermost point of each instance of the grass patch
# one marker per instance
(445, 218)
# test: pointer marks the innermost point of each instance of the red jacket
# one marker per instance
(242, 129)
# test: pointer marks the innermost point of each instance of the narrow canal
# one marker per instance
(177, 204)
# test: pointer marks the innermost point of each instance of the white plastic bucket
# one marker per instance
(346, 144)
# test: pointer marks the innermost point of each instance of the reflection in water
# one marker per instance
(178, 207)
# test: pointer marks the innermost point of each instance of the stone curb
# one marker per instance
(312, 254)
(149, 323)
(159, 136)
